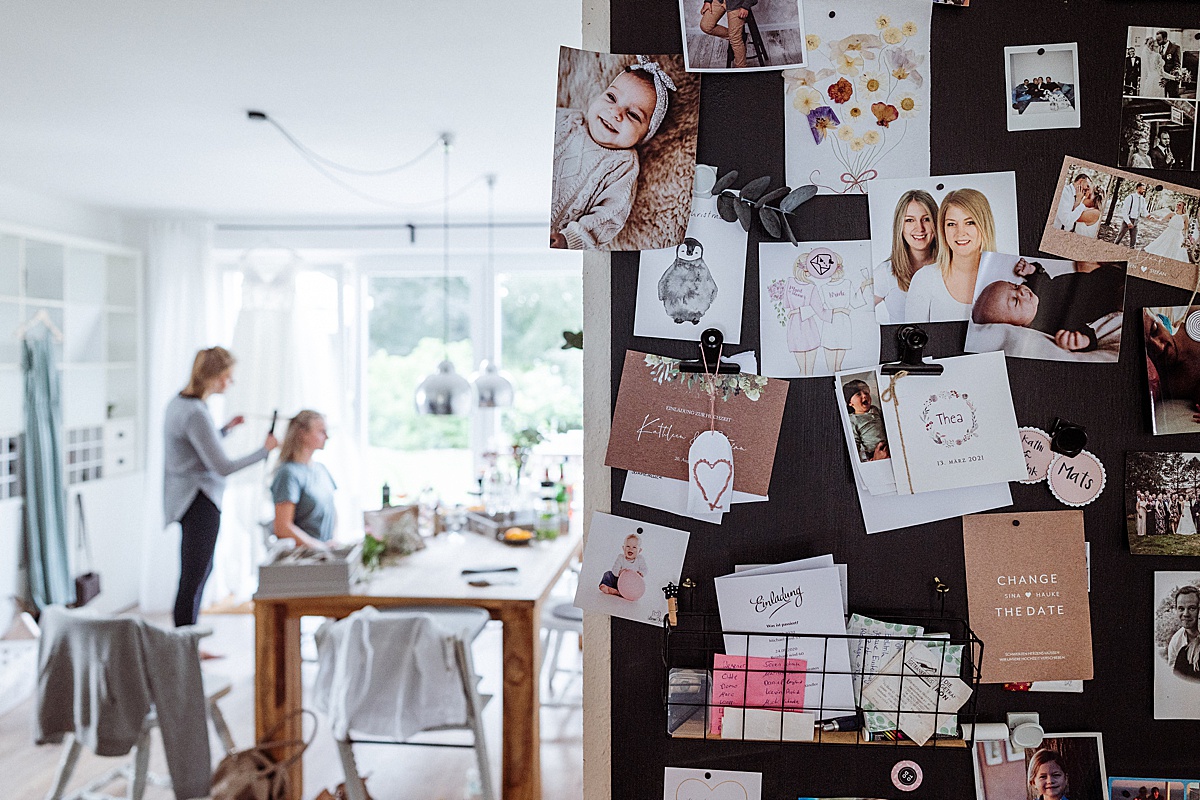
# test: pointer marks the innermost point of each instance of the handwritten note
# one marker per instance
(763, 683)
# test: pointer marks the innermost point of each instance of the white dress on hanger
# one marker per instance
(1169, 243)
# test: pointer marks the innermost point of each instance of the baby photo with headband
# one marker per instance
(624, 151)
(1172, 336)
(1048, 309)
(816, 312)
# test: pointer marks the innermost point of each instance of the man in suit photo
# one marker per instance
(1161, 155)
(1133, 72)
(1172, 61)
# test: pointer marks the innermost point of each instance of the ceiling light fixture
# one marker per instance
(444, 392)
(493, 388)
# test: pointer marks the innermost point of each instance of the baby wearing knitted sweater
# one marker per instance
(595, 156)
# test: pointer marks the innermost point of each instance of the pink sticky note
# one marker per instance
(761, 683)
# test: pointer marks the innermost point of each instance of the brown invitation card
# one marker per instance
(660, 410)
(1028, 595)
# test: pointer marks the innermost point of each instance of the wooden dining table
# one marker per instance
(432, 576)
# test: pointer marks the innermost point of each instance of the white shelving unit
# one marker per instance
(93, 293)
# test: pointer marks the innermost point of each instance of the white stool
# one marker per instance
(559, 619)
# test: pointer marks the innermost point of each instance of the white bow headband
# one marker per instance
(662, 83)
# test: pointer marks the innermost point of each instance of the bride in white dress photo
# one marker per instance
(1170, 243)
(1152, 69)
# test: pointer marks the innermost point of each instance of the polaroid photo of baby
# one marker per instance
(815, 311)
(927, 238)
(1172, 338)
(1158, 105)
(1162, 503)
(866, 432)
(1043, 86)
(683, 291)
(1176, 645)
(742, 35)
(1064, 765)
(1105, 214)
(626, 564)
(1153, 788)
(1048, 309)
(624, 151)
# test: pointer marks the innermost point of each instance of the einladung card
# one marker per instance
(1028, 595)
(805, 605)
(660, 410)
(953, 430)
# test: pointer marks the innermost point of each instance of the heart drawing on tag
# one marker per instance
(694, 789)
(712, 477)
(1028, 594)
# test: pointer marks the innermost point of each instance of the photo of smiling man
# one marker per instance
(624, 151)
(928, 237)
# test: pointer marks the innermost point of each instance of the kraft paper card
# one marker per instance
(1105, 214)
(660, 410)
(953, 430)
(1028, 595)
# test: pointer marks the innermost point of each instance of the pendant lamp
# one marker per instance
(493, 388)
(444, 392)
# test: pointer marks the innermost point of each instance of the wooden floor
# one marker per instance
(709, 52)
(393, 773)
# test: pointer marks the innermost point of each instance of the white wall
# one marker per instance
(23, 207)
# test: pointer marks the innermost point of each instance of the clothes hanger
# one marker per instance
(42, 318)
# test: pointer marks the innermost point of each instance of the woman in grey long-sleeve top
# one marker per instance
(196, 466)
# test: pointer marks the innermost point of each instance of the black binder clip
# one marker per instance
(711, 342)
(912, 341)
(1067, 437)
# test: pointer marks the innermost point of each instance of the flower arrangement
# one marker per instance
(860, 104)
(666, 370)
(775, 292)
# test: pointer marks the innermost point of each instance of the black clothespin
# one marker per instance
(912, 341)
(1067, 437)
(711, 342)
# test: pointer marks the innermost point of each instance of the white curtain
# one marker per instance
(181, 290)
(288, 341)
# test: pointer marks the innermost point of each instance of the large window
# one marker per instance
(405, 329)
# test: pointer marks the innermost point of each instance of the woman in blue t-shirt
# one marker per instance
(302, 489)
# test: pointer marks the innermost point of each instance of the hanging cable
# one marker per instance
(315, 163)
(446, 140)
(313, 155)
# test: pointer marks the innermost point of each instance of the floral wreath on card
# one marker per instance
(871, 78)
(665, 370)
(940, 437)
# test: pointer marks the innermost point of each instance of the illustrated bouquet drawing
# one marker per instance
(860, 104)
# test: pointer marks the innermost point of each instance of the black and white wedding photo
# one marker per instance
(1157, 134)
(1043, 86)
(1158, 109)
(1161, 62)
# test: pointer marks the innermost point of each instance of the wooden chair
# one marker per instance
(753, 39)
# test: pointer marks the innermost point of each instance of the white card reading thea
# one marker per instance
(953, 430)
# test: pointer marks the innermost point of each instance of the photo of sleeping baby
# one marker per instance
(1172, 335)
(1048, 309)
(624, 151)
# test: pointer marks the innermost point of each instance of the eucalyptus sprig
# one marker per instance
(740, 206)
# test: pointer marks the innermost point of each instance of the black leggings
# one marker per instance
(200, 525)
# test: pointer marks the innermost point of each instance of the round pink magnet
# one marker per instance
(1038, 455)
(1076, 481)
(907, 775)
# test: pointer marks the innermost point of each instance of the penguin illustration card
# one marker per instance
(816, 312)
(684, 290)
(680, 783)
(626, 564)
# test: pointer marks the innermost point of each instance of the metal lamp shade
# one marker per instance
(443, 393)
(493, 388)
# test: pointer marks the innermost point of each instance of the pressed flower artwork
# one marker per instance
(866, 83)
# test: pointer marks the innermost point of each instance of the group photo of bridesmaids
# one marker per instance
(1162, 503)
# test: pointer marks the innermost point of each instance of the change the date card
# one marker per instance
(1028, 597)
(953, 430)
(626, 564)
(661, 411)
